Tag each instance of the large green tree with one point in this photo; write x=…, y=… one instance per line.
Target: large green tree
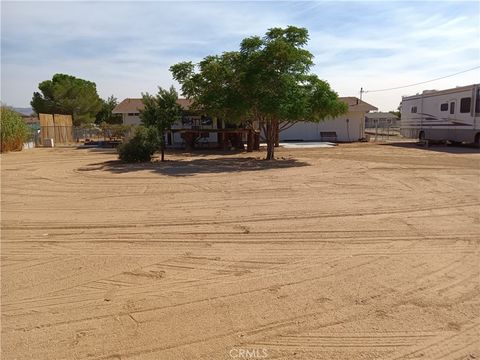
x=214, y=85
x=268, y=80
x=160, y=112
x=105, y=114
x=66, y=94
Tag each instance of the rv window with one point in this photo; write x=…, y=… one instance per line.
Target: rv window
x=465, y=105
x=444, y=107
x=477, y=102
x=452, y=107
x=414, y=109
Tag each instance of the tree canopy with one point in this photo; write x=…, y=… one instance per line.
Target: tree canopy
x=214, y=87
x=160, y=112
x=268, y=80
x=105, y=114
x=66, y=94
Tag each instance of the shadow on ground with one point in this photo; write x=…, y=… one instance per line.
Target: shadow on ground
x=96, y=149
x=195, y=166
x=171, y=152
x=450, y=149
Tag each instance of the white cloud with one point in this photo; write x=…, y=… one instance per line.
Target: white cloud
x=127, y=47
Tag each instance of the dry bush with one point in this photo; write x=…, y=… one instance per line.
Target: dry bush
x=14, y=131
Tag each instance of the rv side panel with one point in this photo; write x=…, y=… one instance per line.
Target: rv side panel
x=448, y=115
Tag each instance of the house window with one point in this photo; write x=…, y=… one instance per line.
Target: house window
x=444, y=107
x=133, y=114
x=414, y=109
x=465, y=105
x=452, y=107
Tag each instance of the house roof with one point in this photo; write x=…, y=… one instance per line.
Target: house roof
x=381, y=115
x=132, y=105
x=355, y=104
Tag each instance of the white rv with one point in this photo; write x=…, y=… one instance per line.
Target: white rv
x=449, y=115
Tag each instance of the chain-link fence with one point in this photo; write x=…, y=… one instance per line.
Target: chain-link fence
x=76, y=135
x=382, y=129
x=83, y=135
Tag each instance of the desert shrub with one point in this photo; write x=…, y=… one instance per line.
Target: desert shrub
x=140, y=147
x=14, y=131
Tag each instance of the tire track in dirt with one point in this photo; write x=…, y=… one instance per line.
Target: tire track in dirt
x=347, y=344
x=409, y=210
x=282, y=324
x=445, y=345
x=302, y=288
x=201, y=300
x=235, y=271
x=299, y=266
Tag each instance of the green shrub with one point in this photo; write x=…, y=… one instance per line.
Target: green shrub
x=14, y=131
x=141, y=147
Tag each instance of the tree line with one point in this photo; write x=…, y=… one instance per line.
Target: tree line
x=68, y=95
x=267, y=83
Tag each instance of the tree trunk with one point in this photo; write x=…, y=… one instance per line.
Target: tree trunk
x=220, y=134
x=162, y=145
x=250, y=140
x=270, y=137
x=256, y=141
x=277, y=133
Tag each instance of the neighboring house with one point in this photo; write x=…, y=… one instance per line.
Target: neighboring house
x=348, y=127
x=381, y=119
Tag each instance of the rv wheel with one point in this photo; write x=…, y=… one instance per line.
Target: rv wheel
x=421, y=136
x=477, y=140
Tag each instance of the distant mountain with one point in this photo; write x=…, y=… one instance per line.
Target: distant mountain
x=23, y=110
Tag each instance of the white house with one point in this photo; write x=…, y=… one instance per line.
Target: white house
x=348, y=127
x=130, y=110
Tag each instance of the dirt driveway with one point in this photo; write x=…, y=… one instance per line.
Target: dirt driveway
x=355, y=252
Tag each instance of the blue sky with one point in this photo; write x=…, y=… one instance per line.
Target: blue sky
x=126, y=47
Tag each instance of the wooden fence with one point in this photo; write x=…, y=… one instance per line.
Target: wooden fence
x=57, y=127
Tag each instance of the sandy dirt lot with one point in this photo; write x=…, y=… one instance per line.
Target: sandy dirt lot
x=356, y=252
